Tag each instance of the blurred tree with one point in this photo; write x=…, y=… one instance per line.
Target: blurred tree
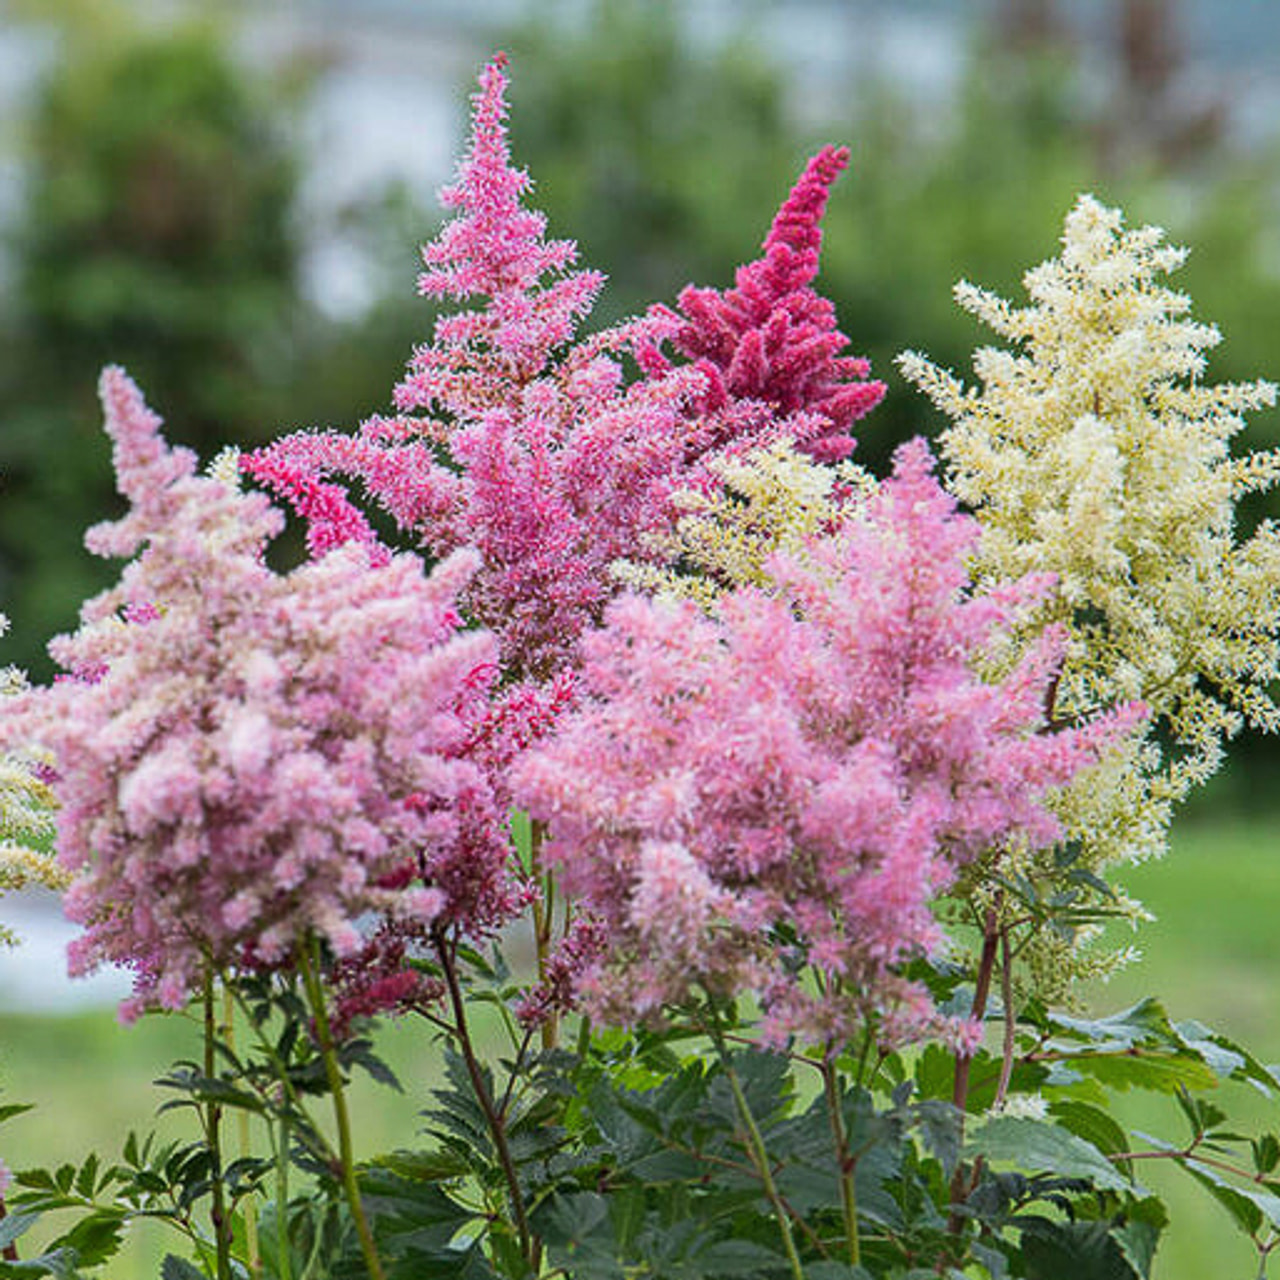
x=664, y=161
x=155, y=233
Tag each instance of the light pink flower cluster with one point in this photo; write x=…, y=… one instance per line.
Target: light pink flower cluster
x=784, y=789
x=244, y=757
x=539, y=448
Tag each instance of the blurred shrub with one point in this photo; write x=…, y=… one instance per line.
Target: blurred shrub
x=155, y=233
x=664, y=161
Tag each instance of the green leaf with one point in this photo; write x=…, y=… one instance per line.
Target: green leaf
x=424, y=1166
x=1039, y=1146
x=58, y=1263
x=1139, y=1236
x=175, y=1268
x=1220, y=1052
x=941, y=1130
x=1093, y=1125
x=1143, y=1023
x=1248, y=1208
x=627, y=1214
x=1266, y=1152
x=15, y=1225
x=735, y=1258
x=1072, y=1251
x=87, y=1178
x=1151, y=1071
x=11, y=1109
x=94, y=1238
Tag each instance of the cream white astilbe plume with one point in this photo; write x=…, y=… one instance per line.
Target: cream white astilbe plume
x=26, y=812
x=1094, y=450
x=771, y=500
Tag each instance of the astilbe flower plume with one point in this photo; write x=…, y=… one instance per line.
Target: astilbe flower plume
x=793, y=780
x=537, y=446
x=1094, y=450
x=26, y=809
x=770, y=500
x=772, y=340
x=245, y=759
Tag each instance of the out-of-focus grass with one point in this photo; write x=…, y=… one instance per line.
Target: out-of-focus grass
x=91, y=1081
x=1211, y=955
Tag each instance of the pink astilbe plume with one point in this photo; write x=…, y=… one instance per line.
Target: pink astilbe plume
x=534, y=445
x=773, y=339
x=244, y=758
x=792, y=782
x=496, y=249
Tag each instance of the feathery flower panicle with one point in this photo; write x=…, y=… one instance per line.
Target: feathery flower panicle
x=495, y=249
x=772, y=339
x=244, y=758
x=767, y=501
x=791, y=781
x=538, y=447
x=1094, y=450
x=26, y=809
x=540, y=454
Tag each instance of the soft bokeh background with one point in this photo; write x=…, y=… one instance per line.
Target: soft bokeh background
x=227, y=199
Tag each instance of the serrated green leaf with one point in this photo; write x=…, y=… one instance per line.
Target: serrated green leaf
x=1145, y=1022
x=735, y=1258
x=1152, y=1071
x=1093, y=1124
x=424, y=1166
x=1249, y=1208
x=87, y=1178
x=1266, y=1152
x=95, y=1238
x=1139, y=1236
x=1041, y=1147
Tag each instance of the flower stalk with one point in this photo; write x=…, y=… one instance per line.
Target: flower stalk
x=333, y=1071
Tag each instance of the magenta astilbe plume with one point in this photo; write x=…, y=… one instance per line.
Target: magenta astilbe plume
x=773, y=338
x=246, y=758
x=795, y=780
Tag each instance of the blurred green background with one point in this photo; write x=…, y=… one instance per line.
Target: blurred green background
x=227, y=200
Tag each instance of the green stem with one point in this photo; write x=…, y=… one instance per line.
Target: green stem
x=253, y=1259
x=848, y=1190
x=315, y=997
x=543, y=924
x=284, y=1256
x=494, y=1118
x=213, y=1137
x=756, y=1149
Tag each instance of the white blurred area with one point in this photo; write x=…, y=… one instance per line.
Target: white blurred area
x=33, y=975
